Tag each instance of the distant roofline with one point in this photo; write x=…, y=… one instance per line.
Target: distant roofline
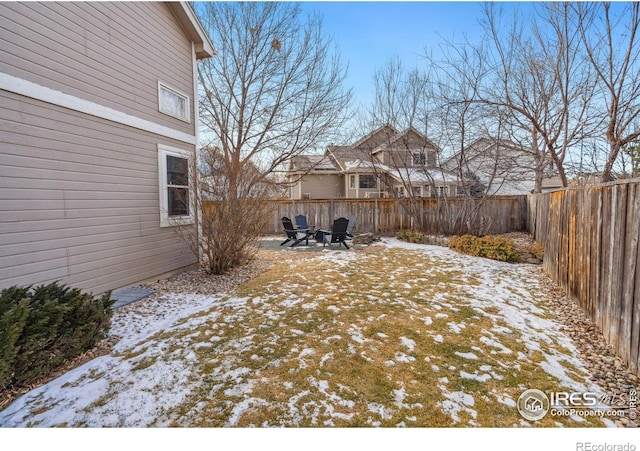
x=399, y=135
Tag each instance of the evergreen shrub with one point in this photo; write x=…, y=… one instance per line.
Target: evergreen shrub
x=412, y=236
x=42, y=327
x=493, y=247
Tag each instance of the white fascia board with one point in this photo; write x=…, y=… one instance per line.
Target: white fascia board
x=193, y=28
x=52, y=96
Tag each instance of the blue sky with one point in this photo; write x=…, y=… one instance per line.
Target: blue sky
x=369, y=33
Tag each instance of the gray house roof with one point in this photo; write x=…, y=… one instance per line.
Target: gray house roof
x=506, y=166
x=345, y=155
x=361, y=155
x=312, y=163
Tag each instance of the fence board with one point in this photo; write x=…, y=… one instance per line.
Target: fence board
x=629, y=268
x=592, y=250
x=387, y=216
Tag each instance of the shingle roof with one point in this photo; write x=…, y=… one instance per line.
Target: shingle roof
x=346, y=154
x=304, y=163
x=422, y=175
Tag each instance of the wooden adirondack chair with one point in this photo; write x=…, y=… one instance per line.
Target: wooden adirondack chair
x=294, y=234
x=301, y=222
x=337, y=234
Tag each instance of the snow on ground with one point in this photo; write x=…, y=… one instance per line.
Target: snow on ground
x=277, y=357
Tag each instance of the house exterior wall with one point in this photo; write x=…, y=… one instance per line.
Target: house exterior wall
x=79, y=187
x=356, y=192
x=401, y=153
x=109, y=53
x=320, y=186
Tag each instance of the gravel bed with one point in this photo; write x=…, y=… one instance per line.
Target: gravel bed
x=608, y=370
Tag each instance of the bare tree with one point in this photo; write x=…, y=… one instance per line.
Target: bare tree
x=433, y=104
x=543, y=81
x=273, y=91
x=610, y=36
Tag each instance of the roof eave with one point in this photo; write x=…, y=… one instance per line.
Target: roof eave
x=193, y=28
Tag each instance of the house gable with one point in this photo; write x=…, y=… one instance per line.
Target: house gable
x=408, y=149
x=375, y=139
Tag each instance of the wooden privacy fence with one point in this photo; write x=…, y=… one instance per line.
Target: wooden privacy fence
x=591, y=241
x=388, y=216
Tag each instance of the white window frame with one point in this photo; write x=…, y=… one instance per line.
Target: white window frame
x=375, y=179
x=421, y=156
x=163, y=86
x=165, y=219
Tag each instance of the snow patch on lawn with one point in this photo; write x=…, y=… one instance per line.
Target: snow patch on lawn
x=154, y=368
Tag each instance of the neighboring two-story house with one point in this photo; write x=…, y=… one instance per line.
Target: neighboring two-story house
x=500, y=167
x=384, y=163
x=98, y=123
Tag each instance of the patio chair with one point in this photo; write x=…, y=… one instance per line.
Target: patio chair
x=294, y=234
x=350, y=227
x=337, y=234
x=301, y=222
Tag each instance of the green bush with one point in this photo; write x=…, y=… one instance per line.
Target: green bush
x=493, y=247
x=412, y=237
x=42, y=327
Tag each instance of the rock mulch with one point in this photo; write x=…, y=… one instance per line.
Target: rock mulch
x=365, y=239
x=608, y=370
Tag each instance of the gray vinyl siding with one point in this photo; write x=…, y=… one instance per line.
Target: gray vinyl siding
x=110, y=53
x=79, y=200
x=325, y=186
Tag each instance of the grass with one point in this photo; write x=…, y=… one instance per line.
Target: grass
x=391, y=338
x=382, y=337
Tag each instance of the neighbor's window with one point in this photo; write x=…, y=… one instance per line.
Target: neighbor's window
x=367, y=181
x=173, y=103
x=175, y=190
x=419, y=158
x=352, y=181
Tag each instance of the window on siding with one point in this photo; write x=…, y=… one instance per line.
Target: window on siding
x=367, y=181
x=352, y=181
x=175, y=189
x=173, y=103
x=178, y=186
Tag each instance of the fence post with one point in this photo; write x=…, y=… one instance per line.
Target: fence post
x=376, y=212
